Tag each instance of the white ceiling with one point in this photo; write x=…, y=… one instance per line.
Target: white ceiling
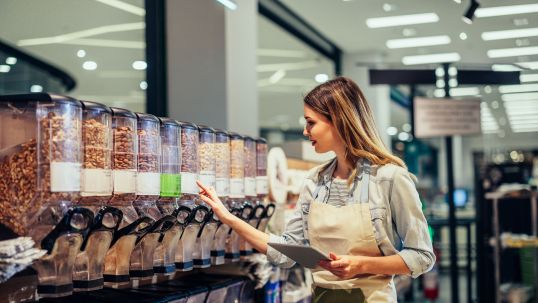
x=342, y=21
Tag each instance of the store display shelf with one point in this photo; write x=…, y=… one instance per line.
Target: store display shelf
x=516, y=241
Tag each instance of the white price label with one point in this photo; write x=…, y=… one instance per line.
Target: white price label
x=237, y=188
x=124, y=181
x=188, y=183
x=64, y=176
x=148, y=184
x=222, y=187
x=262, y=185
x=96, y=182
x=250, y=187
x=208, y=178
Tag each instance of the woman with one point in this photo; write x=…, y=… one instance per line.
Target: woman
x=362, y=206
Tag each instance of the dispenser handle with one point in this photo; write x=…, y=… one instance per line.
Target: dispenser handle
x=139, y=227
x=68, y=224
x=98, y=224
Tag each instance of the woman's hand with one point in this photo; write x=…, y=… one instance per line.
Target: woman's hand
x=343, y=266
x=209, y=196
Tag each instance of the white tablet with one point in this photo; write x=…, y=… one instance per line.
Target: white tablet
x=307, y=256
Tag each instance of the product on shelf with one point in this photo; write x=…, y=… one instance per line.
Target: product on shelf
x=250, y=166
x=237, y=165
x=206, y=154
x=222, y=166
x=125, y=156
x=170, y=165
x=262, y=183
x=148, y=180
x=189, y=158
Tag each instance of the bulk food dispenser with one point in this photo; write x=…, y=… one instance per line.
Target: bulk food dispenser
x=190, y=216
x=248, y=203
x=222, y=187
x=40, y=162
x=262, y=186
x=96, y=191
x=132, y=228
x=148, y=190
x=237, y=193
x=164, y=260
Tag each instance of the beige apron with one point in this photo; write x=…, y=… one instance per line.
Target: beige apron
x=348, y=230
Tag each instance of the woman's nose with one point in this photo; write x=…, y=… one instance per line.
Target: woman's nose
x=305, y=132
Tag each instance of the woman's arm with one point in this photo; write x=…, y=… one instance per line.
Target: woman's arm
x=255, y=237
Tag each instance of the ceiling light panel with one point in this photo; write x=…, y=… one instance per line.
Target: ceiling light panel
x=464, y=91
x=510, y=34
x=417, y=42
x=528, y=78
x=433, y=58
x=133, y=9
x=528, y=65
x=505, y=68
x=513, y=52
x=506, y=10
x=519, y=97
x=402, y=20
x=518, y=88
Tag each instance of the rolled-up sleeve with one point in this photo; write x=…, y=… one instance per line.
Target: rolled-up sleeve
x=411, y=225
x=293, y=234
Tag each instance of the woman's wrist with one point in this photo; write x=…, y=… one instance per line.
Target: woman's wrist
x=362, y=264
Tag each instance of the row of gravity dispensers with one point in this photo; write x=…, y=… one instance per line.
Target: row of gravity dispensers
x=111, y=194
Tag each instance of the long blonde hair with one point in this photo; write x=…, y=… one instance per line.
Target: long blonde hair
x=342, y=102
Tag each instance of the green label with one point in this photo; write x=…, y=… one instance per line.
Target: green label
x=170, y=185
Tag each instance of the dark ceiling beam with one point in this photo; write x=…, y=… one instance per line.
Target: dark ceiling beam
x=288, y=20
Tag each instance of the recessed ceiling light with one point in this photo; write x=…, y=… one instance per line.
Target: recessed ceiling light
x=433, y=58
x=406, y=127
x=89, y=65
x=528, y=78
x=36, y=88
x=505, y=68
x=402, y=20
x=140, y=65
x=230, y=4
x=510, y=34
x=4, y=68
x=439, y=72
x=409, y=32
x=392, y=131
x=463, y=36
x=453, y=82
x=506, y=10
x=387, y=7
x=419, y=41
x=487, y=89
x=11, y=60
x=320, y=78
x=403, y=136
x=495, y=104
x=518, y=88
x=439, y=93
x=440, y=83
x=452, y=71
x=81, y=53
x=529, y=65
x=143, y=85
x=512, y=52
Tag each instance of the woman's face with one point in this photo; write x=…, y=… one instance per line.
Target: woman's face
x=320, y=131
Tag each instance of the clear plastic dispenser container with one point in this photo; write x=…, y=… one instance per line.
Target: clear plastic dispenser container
x=222, y=168
x=164, y=260
x=96, y=191
x=262, y=213
x=206, y=155
x=190, y=216
x=247, y=207
x=148, y=190
x=237, y=192
x=133, y=228
x=40, y=165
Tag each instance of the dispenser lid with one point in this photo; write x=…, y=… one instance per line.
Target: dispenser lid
x=147, y=117
x=121, y=112
x=188, y=125
x=261, y=141
x=46, y=97
x=169, y=122
x=95, y=107
x=206, y=129
x=236, y=136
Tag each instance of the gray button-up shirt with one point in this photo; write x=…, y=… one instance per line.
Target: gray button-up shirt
x=399, y=224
